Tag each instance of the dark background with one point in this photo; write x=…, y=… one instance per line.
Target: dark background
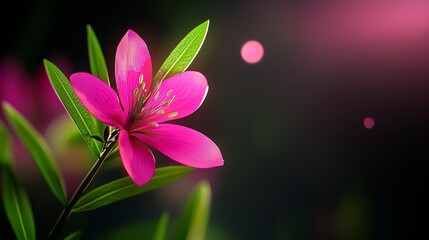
x=299, y=163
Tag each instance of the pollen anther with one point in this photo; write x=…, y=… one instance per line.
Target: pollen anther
x=141, y=79
x=170, y=100
x=173, y=114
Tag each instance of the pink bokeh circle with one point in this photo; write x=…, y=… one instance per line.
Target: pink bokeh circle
x=252, y=51
x=368, y=122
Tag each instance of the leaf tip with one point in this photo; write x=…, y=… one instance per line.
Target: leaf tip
x=204, y=185
x=89, y=29
x=8, y=110
x=6, y=106
x=206, y=24
x=46, y=61
x=48, y=64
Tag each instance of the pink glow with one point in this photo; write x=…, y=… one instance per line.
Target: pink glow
x=368, y=122
x=367, y=31
x=31, y=95
x=252, y=51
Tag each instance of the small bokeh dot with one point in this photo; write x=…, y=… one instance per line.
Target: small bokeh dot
x=368, y=122
x=252, y=51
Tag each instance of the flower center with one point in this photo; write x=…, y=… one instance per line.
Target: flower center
x=158, y=106
x=146, y=112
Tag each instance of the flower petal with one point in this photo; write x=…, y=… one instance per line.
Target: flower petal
x=186, y=91
x=137, y=158
x=98, y=97
x=183, y=145
x=132, y=61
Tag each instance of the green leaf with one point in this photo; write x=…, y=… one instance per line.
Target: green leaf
x=125, y=188
x=97, y=63
x=17, y=206
x=183, y=54
x=74, y=236
x=84, y=121
x=5, y=154
x=96, y=56
x=38, y=149
x=161, y=228
x=194, y=219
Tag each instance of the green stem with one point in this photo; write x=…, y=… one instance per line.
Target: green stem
x=107, y=148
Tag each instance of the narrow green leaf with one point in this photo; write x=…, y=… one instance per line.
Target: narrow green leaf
x=125, y=188
x=194, y=219
x=5, y=154
x=96, y=63
x=84, y=121
x=74, y=236
x=183, y=54
x=38, y=149
x=17, y=206
x=161, y=227
x=96, y=56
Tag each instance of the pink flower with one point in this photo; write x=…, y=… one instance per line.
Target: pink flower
x=141, y=111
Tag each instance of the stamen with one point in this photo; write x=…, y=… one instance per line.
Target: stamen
x=141, y=79
x=154, y=124
x=135, y=91
x=173, y=114
x=157, y=86
x=156, y=96
x=160, y=112
x=171, y=100
x=168, y=93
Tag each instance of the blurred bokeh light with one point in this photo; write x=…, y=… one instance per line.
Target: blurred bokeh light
x=252, y=51
x=368, y=122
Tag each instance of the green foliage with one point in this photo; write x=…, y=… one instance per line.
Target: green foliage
x=194, y=219
x=191, y=224
x=125, y=188
x=17, y=206
x=15, y=200
x=74, y=236
x=39, y=150
x=96, y=56
x=183, y=54
x=84, y=121
x=161, y=227
x=5, y=156
x=97, y=64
